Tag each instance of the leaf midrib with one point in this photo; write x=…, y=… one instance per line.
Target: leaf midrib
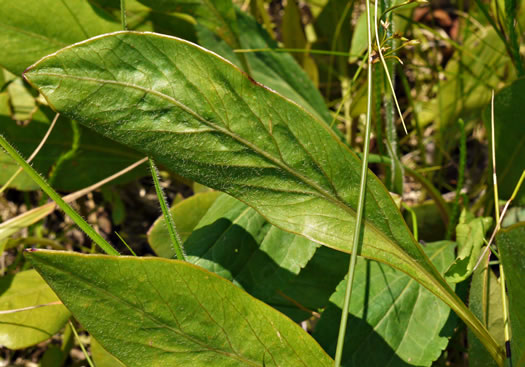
x=323, y=193
x=149, y=316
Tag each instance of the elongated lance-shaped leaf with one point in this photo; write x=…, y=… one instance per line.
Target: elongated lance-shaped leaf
x=511, y=244
x=159, y=312
x=197, y=114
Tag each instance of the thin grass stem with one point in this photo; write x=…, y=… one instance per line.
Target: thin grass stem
x=387, y=73
x=77, y=218
x=86, y=354
x=125, y=244
x=360, y=204
x=123, y=19
x=504, y=305
x=170, y=224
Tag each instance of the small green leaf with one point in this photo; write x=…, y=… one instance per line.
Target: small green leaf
x=32, y=29
x=21, y=101
x=511, y=244
x=470, y=235
x=186, y=215
x=159, y=312
x=390, y=323
x=200, y=116
x=23, y=329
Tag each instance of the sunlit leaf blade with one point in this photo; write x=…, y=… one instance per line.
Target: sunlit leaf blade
x=511, y=244
x=158, y=312
x=32, y=29
x=390, y=323
x=200, y=116
x=25, y=328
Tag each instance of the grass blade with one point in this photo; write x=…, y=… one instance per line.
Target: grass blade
x=77, y=218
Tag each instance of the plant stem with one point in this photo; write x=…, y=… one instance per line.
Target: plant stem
x=77, y=218
x=88, y=359
x=504, y=306
x=360, y=204
x=170, y=224
x=123, y=14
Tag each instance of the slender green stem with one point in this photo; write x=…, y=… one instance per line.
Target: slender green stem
x=33, y=155
x=295, y=50
x=125, y=244
x=123, y=14
x=88, y=358
x=505, y=309
x=414, y=220
x=170, y=224
x=77, y=218
x=360, y=204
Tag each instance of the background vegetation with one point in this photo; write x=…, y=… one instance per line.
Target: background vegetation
x=450, y=71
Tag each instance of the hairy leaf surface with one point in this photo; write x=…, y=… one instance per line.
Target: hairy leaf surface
x=199, y=115
x=159, y=312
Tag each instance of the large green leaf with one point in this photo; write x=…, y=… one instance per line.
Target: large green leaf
x=31, y=29
x=509, y=131
x=511, y=244
x=186, y=216
x=23, y=329
x=200, y=116
x=96, y=158
x=159, y=312
x=390, y=323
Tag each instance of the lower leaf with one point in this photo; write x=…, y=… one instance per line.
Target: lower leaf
x=158, y=312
